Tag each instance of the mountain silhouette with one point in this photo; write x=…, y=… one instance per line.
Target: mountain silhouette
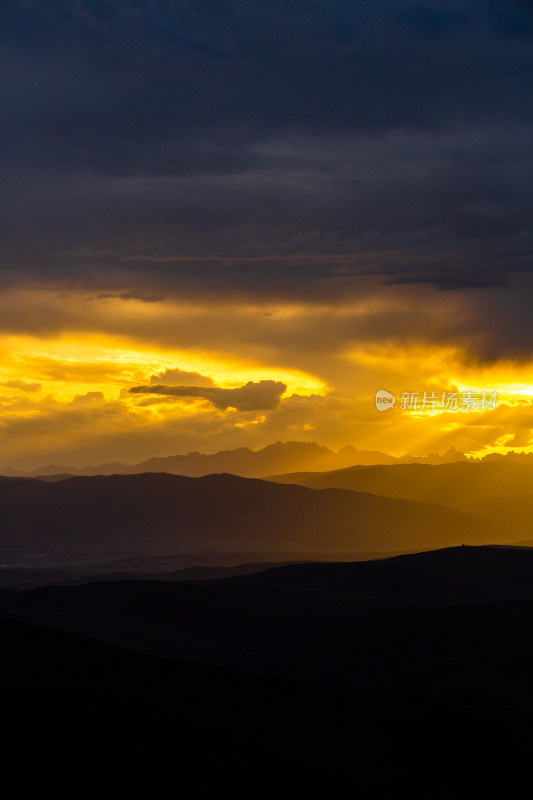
x=501, y=490
x=450, y=621
x=274, y=458
x=121, y=516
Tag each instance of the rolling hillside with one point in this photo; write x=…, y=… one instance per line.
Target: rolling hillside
x=500, y=491
x=121, y=516
x=455, y=620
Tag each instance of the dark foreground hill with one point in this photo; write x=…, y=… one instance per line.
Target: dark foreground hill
x=119, y=516
x=456, y=620
x=76, y=711
x=28, y=578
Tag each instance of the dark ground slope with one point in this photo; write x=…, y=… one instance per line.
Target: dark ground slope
x=79, y=712
x=121, y=516
x=455, y=620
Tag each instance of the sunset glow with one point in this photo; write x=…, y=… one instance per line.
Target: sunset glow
x=69, y=361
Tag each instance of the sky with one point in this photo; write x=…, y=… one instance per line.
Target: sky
x=227, y=223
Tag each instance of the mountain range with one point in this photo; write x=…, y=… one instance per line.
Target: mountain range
x=277, y=457
x=499, y=490
x=123, y=516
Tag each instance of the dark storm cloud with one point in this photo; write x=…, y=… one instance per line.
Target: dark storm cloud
x=24, y=386
x=253, y=396
x=265, y=148
x=180, y=377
